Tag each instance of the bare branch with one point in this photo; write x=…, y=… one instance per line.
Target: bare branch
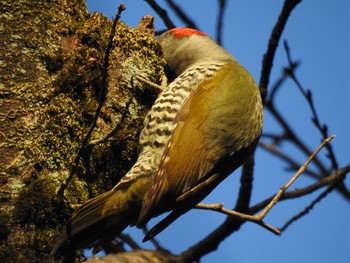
x=246, y=181
x=258, y=218
x=295, y=176
x=291, y=136
x=232, y=224
x=219, y=208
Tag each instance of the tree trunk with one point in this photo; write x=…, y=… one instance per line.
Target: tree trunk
x=51, y=72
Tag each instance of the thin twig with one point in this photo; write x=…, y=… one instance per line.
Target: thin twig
x=304, y=191
x=181, y=14
x=295, y=176
x=308, y=96
x=129, y=241
x=307, y=209
x=155, y=87
x=276, y=139
x=287, y=158
x=101, y=99
x=291, y=136
x=276, y=33
x=278, y=84
x=219, y=23
x=219, y=208
x=162, y=13
x=258, y=218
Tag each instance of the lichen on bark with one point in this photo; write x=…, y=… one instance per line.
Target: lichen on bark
x=50, y=78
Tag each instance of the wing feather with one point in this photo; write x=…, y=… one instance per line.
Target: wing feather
x=186, y=160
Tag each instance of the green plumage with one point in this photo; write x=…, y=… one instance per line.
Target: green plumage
x=215, y=130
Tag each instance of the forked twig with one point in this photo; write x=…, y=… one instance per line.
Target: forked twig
x=220, y=208
x=258, y=218
x=312, y=204
x=335, y=177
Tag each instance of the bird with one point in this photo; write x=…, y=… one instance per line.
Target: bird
x=204, y=125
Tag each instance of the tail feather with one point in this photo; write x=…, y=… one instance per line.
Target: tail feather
x=95, y=222
x=163, y=224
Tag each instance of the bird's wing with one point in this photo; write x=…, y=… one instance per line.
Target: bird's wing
x=186, y=160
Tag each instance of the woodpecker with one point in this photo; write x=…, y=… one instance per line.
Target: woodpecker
x=202, y=127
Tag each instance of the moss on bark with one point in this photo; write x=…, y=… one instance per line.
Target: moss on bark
x=50, y=78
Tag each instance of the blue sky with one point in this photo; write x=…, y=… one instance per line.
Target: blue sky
x=318, y=33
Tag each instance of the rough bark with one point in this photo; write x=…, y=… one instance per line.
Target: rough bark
x=50, y=79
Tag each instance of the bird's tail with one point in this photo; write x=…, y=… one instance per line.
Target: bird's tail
x=163, y=224
x=97, y=221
